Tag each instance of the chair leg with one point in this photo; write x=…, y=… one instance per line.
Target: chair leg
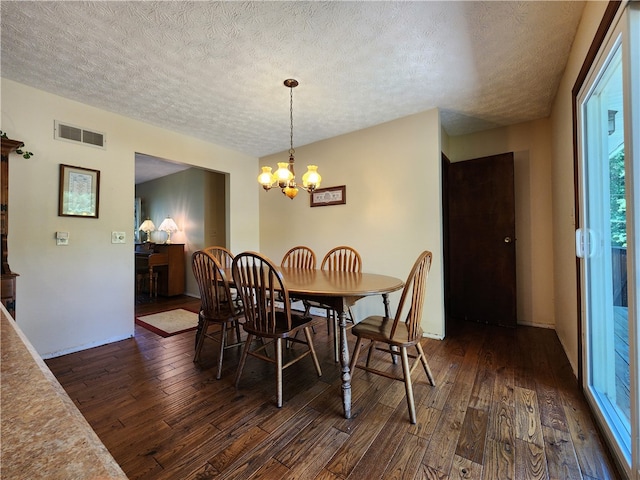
x=423, y=359
x=279, y=372
x=370, y=352
x=198, y=333
x=223, y=341
x=356, y=354
x=243, y=358
x=200, y=341
x=307, y=334
x=236, y=324
x=407, y=385
x=155, y=284
x=336, y=338
x=394, y=358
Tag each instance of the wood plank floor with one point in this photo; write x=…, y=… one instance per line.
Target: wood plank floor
x=505, y=406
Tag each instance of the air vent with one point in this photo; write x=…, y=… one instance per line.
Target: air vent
x=71, y=133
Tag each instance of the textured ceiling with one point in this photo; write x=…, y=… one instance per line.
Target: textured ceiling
x=214, y=70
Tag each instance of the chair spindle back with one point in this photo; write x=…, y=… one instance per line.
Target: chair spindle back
x=413, y=296
x=299, y=257
x=258, y=283
x=215, y=293
x=221, y=254
x=343, y=259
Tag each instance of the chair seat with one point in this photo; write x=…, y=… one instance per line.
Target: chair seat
x=378, y=329
x=298, y=322
x=224, y=315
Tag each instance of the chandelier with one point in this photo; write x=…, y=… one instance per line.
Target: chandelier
x=285, y=176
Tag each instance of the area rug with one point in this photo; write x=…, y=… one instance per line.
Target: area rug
x=169, y=323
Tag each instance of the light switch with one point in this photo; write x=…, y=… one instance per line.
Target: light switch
x=118, y=237
x=62, y=238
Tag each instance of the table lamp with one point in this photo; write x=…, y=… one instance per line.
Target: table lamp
x=148, y=227
x=169, y=226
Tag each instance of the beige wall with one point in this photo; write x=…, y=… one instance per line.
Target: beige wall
x=81, y=295
x=564, y=259
x=531, y=144
x=393, y=209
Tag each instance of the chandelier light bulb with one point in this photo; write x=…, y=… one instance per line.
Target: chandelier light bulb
x=283, y=175
x=266, y=178
x=311, y=180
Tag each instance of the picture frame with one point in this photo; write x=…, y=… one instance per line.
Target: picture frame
x=323, y=197
x=79, y=192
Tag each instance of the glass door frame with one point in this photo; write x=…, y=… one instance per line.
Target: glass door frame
x=619, y=29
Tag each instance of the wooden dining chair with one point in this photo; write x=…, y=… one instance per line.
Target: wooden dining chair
x=342, y=259
x=217, y=309
x=299, y=257
x=399, y=333
x=258, y=281
x=225, y=259
x=221, y=254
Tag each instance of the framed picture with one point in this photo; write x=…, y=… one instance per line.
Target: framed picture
x=329, y=196
x=79, y=192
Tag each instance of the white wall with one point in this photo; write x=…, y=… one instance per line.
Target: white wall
x=564, y=260
x=81, y=295
x=531, y=144
x=393, y=210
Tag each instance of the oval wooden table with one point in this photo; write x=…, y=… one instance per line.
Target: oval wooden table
x=340, y=290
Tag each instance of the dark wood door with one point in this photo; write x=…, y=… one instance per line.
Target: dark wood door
x=480, y=241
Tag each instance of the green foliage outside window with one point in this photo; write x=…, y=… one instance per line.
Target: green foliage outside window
x=618, y=202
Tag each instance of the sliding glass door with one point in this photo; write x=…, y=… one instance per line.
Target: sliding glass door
x=607, y=241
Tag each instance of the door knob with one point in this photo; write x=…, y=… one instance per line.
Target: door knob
x=507, y=239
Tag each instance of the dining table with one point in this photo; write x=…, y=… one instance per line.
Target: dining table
x=339, y=291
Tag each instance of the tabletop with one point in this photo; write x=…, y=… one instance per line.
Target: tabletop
x=334, y=283
x=340, y=284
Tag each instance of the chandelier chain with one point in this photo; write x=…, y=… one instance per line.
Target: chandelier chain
x=291, y=150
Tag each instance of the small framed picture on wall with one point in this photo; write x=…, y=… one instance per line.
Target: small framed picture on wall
x=79, y=192
x=329, y=196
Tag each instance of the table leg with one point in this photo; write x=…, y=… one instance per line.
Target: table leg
x=385, y=300
x=344, y=361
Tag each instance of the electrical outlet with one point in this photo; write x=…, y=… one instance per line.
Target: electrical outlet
x=118, y=237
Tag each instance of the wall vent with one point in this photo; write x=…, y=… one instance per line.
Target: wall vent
x=71, y=133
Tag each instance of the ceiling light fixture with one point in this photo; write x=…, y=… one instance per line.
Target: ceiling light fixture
x=285, y=176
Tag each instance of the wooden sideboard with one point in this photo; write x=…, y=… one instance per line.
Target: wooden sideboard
x=7, y=278
x=171, y=276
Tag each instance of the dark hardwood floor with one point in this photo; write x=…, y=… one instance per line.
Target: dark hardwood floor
x=505, y=406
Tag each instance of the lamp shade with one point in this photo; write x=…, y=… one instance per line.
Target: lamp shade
x=311, y=180
x=283, y=174
x=266, y=178
x=147, y=226
x=168, y=225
